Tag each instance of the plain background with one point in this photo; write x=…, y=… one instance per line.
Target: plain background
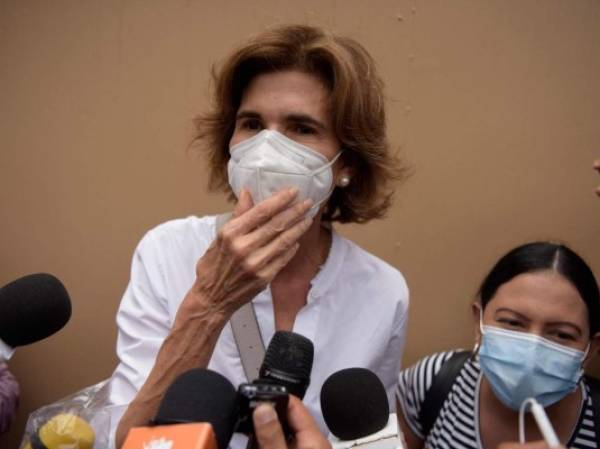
x=494, y=104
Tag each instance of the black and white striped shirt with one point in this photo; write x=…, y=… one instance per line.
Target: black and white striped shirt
x=457, y=425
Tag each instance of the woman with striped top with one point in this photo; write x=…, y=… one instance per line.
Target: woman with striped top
x=537, y=326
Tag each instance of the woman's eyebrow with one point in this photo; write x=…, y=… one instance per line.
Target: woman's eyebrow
x=568, y=324
x=514, y=312
x=305, y=118
x=247, y=114
x=550, y=323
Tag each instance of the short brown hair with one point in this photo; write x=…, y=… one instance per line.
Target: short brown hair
x=356, y=105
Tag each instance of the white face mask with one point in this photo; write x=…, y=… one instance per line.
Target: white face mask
x=269, y=162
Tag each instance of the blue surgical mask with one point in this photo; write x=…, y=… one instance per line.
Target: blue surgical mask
x=520, y=365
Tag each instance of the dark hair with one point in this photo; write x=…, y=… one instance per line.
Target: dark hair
x=539, y=256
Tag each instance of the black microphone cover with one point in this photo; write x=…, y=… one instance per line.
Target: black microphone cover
x=354, y=403
x=32, y=308
x=201, y=395
x=288, y=362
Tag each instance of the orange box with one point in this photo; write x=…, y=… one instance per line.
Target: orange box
x=175, y=436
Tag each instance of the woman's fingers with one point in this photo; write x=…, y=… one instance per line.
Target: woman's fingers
x=259, y=214
x=252, y=248
x=280, y=223
x=274, y=266
x=244, y=204
x=278, y=245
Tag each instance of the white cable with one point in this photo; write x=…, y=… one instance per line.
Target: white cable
x=522, y=419
x=542, y=421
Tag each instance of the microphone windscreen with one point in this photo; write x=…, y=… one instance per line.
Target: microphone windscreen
x=354, y=403
x=197, y=396
x=32, y=308
x=288, y=362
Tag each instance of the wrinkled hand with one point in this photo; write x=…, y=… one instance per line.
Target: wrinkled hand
x=532, y=445
x=269, y=434
x=250, y=249
x=597, y=168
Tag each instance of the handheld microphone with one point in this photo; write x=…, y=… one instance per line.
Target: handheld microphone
x=356, y=409
x=285, y=369
x=61, y=431
x=288, y=362
x=31, y=308
x=198, y=411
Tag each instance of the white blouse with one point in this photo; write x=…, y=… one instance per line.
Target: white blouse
x=356, y=312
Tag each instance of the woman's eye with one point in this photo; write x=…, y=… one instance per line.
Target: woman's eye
x=510, y=322
x=563, y=336
x=304, y=130
x=251, y=124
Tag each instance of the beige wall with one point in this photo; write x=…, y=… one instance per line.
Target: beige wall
x=496, y=105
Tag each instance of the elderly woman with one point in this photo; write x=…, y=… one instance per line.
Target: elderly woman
x=297, y=135
x=537, y=324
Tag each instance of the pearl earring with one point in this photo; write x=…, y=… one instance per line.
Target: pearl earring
x=343, y=181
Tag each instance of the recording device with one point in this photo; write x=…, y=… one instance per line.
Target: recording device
x=198, y=410
x=31, y=308
x=250, y=395
x=202, y=409
x=285, y=369
x=62, y=431
x=356, y=409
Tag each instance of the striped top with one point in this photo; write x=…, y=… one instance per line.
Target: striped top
x=457, y=425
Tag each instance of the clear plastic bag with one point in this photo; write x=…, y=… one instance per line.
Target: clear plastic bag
x=79, y=421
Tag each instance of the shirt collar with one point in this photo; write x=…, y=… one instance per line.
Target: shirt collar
x=327, y=275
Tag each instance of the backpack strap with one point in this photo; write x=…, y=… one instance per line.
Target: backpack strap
x=439, y=389
x=594, y=385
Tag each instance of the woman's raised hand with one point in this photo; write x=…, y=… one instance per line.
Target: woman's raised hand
x=249, y=250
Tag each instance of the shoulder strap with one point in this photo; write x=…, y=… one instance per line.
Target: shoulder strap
x=248, y=340
x=594, y=385
x=439, y=389
x=245, y=329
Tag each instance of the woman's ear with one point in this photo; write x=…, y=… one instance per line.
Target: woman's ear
x=594, y=348
x=477, y=313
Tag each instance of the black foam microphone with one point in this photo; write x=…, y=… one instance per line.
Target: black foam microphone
x=32, y=308
x=354, y=404
x=201, y=396
x=285, y=369
x=288, y=362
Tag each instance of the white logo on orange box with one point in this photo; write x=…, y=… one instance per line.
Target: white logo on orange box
x=161, y=443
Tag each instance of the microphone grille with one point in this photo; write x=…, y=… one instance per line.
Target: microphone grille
x=354, y=403
x=32, y=308
x=289, y=352
x=201, y=395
